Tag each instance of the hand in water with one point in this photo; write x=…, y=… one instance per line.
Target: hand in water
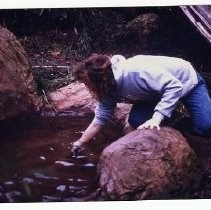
x=77, y=147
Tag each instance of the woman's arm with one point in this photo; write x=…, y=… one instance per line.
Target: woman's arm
x=92, y=130
x=170, y=90
x=103, y=113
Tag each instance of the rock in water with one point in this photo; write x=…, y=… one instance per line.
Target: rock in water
x=76, y=96
x=149, y=164
x=17, y=91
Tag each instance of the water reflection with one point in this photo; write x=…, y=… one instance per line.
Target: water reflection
x=36, y=165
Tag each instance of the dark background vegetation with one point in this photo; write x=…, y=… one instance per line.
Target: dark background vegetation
x=62, y=37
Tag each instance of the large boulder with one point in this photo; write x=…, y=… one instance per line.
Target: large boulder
x=149, y=164
x=17, y=90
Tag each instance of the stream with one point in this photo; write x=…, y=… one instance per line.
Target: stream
x=36, y=164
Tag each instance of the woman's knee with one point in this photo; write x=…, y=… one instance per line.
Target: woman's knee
x=133, y=121
x=140, y=113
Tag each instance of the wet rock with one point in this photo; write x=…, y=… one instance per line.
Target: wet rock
x=17, y=90
x=71, y=97
x=77, y=97
x=149, y=164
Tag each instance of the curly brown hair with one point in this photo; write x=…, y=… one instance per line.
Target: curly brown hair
x=96, y=73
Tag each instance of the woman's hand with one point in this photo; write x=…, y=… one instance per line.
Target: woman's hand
x=77, y=147
x=152, y=123
x=92, y=130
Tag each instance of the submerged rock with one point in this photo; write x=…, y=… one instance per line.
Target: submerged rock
x=77, y=97
x=73, y=96
x=17, y=90
x=149, y=164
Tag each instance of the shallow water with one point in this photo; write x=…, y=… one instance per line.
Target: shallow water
x=36, y=163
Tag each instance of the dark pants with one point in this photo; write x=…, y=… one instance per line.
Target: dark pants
x=197, y=102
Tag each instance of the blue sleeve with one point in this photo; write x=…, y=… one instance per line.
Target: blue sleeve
x=104, y=110
x=169, y=88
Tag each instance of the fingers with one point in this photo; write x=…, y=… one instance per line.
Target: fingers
x=148, y=125
x=145, y=125
x=140, y=127
x=75, y=148
x=157, y=127
x=76, y=151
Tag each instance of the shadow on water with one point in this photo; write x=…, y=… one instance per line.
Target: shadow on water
x=36, y=162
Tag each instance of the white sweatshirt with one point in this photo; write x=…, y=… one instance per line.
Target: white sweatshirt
x=159, y=79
